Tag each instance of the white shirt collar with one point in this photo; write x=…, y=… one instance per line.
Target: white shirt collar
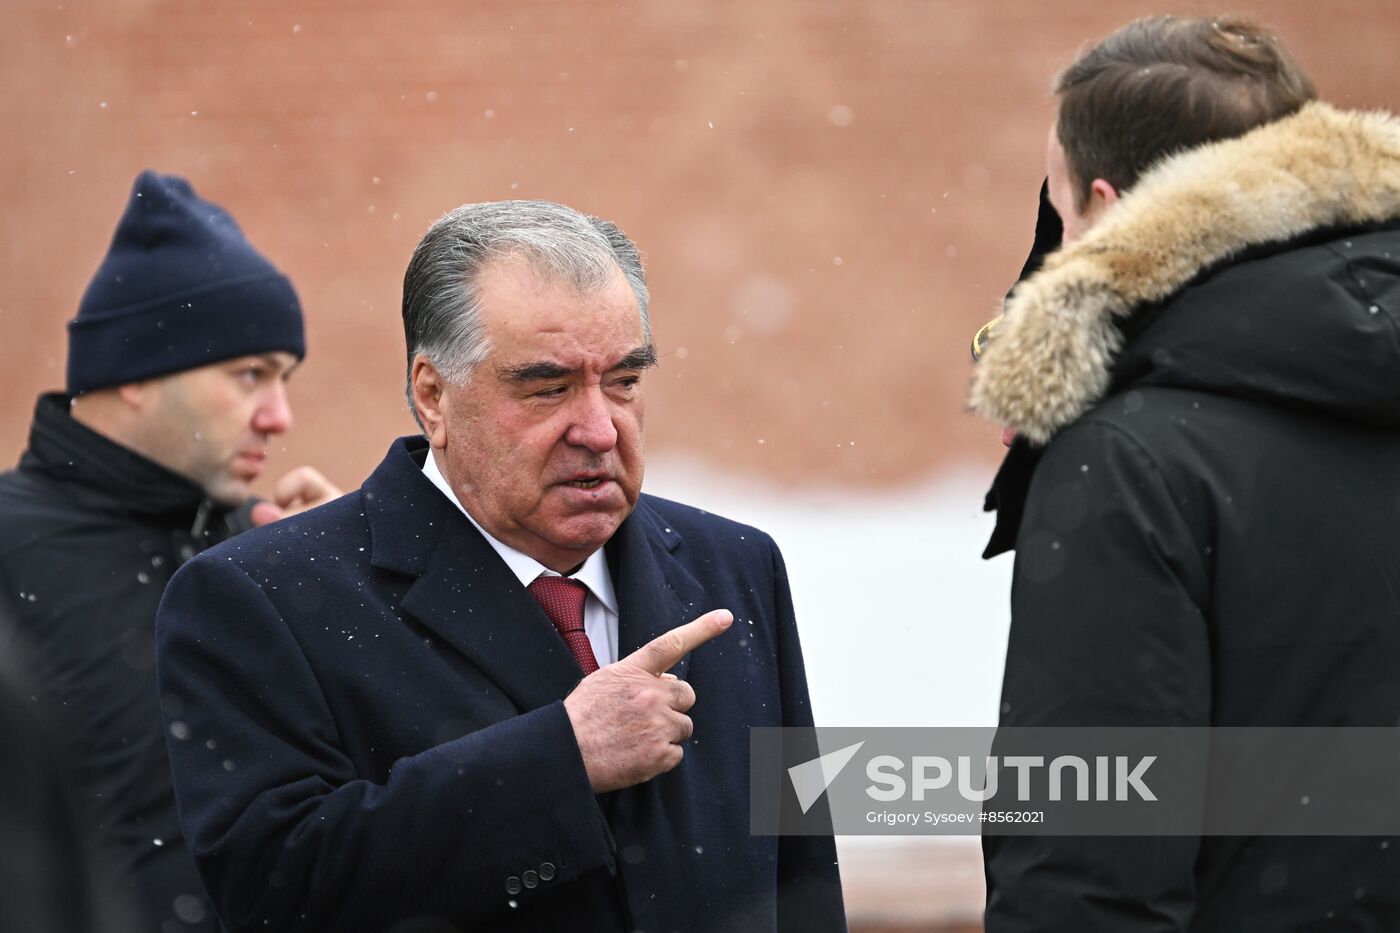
x=593, y=574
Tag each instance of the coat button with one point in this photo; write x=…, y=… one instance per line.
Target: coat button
x=531, y=879
x=547, y=872
x=512, y=885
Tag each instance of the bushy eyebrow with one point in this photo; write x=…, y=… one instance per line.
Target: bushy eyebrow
x=641, y=358
x=532, y=372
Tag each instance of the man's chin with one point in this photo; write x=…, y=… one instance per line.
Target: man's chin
x=229, y=491
x=586, y=533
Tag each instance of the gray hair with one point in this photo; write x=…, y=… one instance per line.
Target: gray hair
x=441, y=304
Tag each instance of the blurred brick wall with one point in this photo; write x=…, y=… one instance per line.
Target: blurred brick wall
x=832, y=196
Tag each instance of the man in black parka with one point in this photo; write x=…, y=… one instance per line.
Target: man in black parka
x=1204, y=489
x=177, y=363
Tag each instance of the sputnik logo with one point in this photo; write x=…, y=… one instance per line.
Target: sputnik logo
x=811, y=778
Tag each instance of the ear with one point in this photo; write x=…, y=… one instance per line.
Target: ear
x=1102, y=196
x=428, y=386
x=134, y=394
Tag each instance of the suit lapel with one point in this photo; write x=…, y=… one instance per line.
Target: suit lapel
x=464, y=593
x=472, y=601
x=655, y=592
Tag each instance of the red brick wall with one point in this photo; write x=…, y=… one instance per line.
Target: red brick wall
x=832, y=196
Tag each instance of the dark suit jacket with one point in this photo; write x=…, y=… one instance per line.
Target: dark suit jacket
x=371, y=733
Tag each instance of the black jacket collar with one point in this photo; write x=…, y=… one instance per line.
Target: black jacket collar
x=68, y=452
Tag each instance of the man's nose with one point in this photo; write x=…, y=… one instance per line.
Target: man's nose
x=592, y=424
x=274, y=412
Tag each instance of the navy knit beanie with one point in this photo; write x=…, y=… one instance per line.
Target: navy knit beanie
x=180, y=288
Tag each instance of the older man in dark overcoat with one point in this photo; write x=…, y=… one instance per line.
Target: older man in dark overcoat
x=497, y=688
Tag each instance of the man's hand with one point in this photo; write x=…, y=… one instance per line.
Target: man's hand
x=629, y=717
x=301, y=489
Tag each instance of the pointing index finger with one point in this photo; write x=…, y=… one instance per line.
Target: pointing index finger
x=662, y=652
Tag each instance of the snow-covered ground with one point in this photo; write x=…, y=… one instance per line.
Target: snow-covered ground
x=902, y=622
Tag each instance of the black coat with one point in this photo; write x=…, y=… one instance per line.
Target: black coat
x=377, y=738
x=50, y=879
x=90, y=533
x=1213, y=539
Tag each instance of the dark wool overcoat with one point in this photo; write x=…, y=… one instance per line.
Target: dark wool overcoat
x=377, y=739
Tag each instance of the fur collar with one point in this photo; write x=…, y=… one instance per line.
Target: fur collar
x=1050, y=358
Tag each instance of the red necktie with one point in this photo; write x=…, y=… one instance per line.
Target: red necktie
x=562, y=600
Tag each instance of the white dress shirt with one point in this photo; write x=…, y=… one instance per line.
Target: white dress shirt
x=599, y=609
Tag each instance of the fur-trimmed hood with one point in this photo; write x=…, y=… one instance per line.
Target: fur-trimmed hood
x=1053, y=355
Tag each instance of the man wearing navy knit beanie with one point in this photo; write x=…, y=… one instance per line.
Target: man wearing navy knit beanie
x=177, y=366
